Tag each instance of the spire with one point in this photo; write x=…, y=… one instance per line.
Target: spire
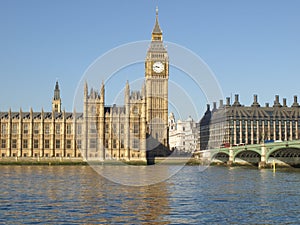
x=127, y=92
x=156, y=29
x=127, y=88
x=56, y=102
x=86, y=91
x=157, y=32
x=102, y=90
x=56, y=92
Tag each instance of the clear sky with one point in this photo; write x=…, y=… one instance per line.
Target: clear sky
x=253, y=47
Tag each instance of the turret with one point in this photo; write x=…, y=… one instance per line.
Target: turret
x=56, y=102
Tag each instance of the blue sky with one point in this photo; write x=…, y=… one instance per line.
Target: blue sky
x=251, y=46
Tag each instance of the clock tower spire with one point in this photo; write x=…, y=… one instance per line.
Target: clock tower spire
x=157, y=32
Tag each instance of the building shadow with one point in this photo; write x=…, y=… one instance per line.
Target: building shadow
x=204, y=129
x=155, y=149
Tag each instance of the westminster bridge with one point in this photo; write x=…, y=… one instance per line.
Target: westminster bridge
x=285, y=153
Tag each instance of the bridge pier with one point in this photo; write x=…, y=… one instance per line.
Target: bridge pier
x=262, y=164
x=231, y=158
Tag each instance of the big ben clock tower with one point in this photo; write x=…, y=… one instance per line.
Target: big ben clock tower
x=157, y=75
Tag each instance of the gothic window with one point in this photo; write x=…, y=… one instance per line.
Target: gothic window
x=47, y=128
x=122, y=129
x=14, y=143
x=135, y=128
x=36, y=128
x=14, y=128
x=25, y=128
x=35, y=143
x=92, y=143
x=135, y=110
x=57, y=128
x=115, y=128
x=3, y=129
x=47, y=145
x=93, y=129
x=135, y=143
x=92, y=109
x=57, y=144
x=114, y=143
x=25, y=143
x=106, y=128
x=79, y=128
x=79, y=144
x=69, y=129
x=3, y=143
x=122, y=143
x=69, y=144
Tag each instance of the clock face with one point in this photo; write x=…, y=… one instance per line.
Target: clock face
x=158, y=67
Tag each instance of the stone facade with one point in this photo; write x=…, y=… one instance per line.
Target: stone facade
x=183, y=134
x=42, y=134
x=136, y=131
x=235, y=124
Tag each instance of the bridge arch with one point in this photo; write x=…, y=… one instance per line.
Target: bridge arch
x=284, y=151
x=286, y=155
x=248, y=156
x=248, y=152
x=221, y=156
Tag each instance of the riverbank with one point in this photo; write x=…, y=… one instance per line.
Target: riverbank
x=41, y=161
x=158, y=161
x=79, y=161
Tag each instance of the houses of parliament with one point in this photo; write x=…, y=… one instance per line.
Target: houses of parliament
x=138, y=130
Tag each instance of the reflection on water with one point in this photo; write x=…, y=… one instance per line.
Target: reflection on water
x=77, y=194
x=137, y=176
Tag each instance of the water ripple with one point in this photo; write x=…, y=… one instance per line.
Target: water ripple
x=78, y=195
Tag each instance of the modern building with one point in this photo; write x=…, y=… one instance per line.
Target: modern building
x=236, y=124
x=183, y=134
x=136, y=131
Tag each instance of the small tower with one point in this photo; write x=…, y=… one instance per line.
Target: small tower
x=56, y=102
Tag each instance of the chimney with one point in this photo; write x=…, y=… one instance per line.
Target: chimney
x=255, y=103
x=295, y=104
x=276, y=102
x=277, y=98
x=267, y=105
x=208, y=107
x=255, y=98
x=236, y=98
x=284, y=102
x=228, y=101
x=215, y=106
x=221, y=104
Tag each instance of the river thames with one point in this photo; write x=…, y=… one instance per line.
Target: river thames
x=217, y=195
